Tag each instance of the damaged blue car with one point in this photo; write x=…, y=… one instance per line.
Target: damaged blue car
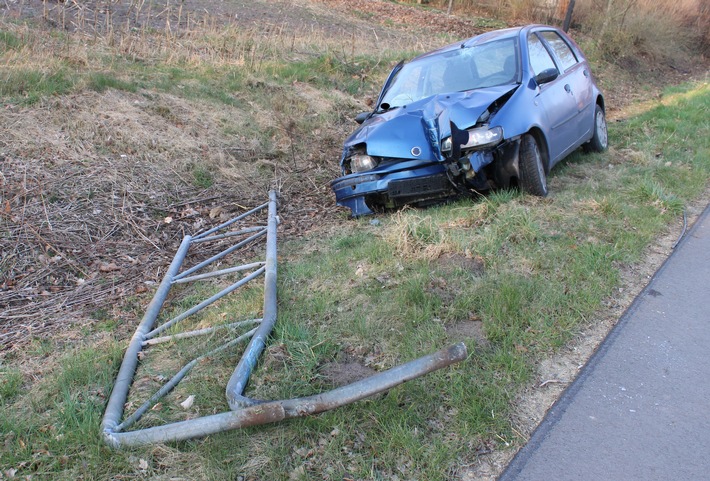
x=494, y=111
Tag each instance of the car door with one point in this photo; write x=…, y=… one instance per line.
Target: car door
x=556, y=99
x=577, y=82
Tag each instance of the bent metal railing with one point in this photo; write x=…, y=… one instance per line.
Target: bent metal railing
x=244, y=411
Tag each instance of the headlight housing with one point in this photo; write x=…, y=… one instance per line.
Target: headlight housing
x=483, y=137
x=362, y=163
x=477, y=138
x=446, y=145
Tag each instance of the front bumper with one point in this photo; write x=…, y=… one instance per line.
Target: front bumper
x=398, y=183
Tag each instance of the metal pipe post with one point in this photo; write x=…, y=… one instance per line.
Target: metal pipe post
x=238, y=381
x=124, y=379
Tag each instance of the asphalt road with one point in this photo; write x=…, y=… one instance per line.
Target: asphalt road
x=640, y=408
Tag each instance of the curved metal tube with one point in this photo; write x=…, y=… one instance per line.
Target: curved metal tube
x=274, y=411
x=244, y=411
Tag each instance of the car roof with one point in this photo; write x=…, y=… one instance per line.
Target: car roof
x=477, y=39
x=483, y=38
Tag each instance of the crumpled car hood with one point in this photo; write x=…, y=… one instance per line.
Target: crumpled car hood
x=419, y=127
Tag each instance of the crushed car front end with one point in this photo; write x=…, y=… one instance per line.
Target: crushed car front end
x=394, y=184
x=418, y=154
x=431, y=136
x=395, y=158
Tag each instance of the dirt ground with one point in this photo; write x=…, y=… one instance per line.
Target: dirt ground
x=96, y=239
x=379, y=19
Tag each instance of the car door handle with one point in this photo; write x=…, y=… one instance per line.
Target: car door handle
x=586, y=73
x=568, y=89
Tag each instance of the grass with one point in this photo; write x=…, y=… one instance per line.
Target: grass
x=549, y=264
x=527, y=274
x=10, y=384
x=208, y=62
x=30, y=86
x=381, y=293
x=9, y=41
x=100, y=81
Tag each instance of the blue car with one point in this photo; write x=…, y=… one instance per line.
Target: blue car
x=494, y=111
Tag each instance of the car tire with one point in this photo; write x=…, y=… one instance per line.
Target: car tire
x=600, y=140
x=532, y=172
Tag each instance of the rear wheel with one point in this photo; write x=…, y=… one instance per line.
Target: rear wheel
x=532, y=172
x=599, y=141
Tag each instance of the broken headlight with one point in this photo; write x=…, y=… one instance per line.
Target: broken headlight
x=362, y=162
x=483, y=137
x=446, y=145
x=477, y=138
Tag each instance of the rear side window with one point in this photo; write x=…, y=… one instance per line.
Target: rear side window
x=539, y=57
x=562, y=51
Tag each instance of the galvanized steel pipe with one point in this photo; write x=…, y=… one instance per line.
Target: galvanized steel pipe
x=114, y=408
x=205, y=303
x=244, y=411
x=274, y=411
x=238, y=381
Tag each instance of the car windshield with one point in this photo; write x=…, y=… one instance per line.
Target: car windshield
x=478, y=66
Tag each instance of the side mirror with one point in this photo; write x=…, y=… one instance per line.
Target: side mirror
x=361, y=117
x=546, y=76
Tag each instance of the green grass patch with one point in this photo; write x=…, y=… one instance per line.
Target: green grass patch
x=51, y=431
x=10, y=384
x=30, y=86
x=329, y=71
x=202, y=177
x=101, y=81
x=9, y=41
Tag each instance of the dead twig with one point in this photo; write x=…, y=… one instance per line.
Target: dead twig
x=552, y=381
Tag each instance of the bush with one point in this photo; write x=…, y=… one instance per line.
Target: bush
x=656, y=31
x=659, y=30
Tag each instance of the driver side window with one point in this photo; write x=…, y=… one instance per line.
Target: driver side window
x=540, y=59
x=561, y=49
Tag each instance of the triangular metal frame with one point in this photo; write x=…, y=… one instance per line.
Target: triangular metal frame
x=244, y=411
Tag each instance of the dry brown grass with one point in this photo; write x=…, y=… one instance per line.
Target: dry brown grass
x=87, y=183
x=663, y=30
x=88, y=178
x=194, y=34
x=412, y=233
x=657, y=31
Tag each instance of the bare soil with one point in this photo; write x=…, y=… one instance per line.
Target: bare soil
x=345, y=372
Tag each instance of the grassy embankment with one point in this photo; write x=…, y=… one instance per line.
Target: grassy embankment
x=514, y=276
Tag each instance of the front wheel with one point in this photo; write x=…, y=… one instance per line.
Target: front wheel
x=532, y=172
x=600, y=141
